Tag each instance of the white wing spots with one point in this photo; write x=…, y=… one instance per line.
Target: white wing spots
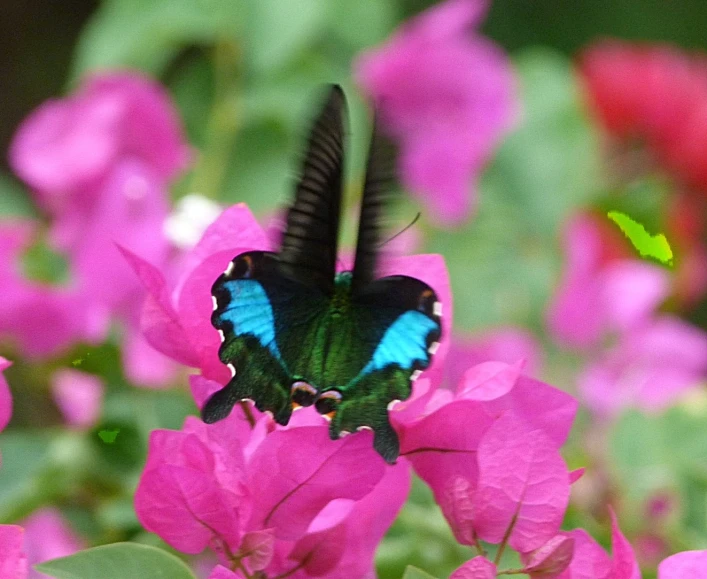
x=222, y=335
x=247, y=400
x=269, y=414
x=214, y=302
x=437, y=309
x=232, y=368
x=229, y=270
x=326, y=417
x=392, y=404
x=344, y=433
x=360, y=428
x=434, y=346
x=415, y=375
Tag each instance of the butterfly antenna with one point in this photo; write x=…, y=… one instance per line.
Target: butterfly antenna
x=403, y=230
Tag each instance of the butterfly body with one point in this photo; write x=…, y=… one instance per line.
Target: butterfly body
x=297, y=333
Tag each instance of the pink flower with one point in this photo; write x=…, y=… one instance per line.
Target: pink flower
x=274, y=499
x=79, y=396
x=13, y=561
x=99, y=163
x=683, y=565
x=66, y=146
x=650, y=367
x=47, y=536
x=550, y=559
x=501, y=474
x=657, y=94
x=477, y=568
x=42, y=319
x=590, y=561
x=447, y=94
x=597, y=295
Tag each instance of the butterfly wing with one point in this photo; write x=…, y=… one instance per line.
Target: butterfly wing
x=254, y=306
x=309, y=243
x=265, y=299
x=400, y=315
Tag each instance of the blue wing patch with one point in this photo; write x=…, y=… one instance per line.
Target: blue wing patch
x=404, y=343
x=250, y=312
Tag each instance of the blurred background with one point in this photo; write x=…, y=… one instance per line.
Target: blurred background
x=243, y=75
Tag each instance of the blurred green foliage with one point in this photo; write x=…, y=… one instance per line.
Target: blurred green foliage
x=244, y=75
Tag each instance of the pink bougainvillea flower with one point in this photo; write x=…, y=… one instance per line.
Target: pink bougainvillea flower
x=650, y=367
x=683, y=565
x=13, y=561
x=66, y=146
x=48, y=536
x=550, y=559
x=275, y=500
x=41, y=319
x=599, y=294
x=590, y=561
x=657, y=94
x=79, y=396
x=447, y=95
x=529, y=499
x=507, y=345
x=476, y=568
x=220, y=572
x=99, y=163
x=459, y=465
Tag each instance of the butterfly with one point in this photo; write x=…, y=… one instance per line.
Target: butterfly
x=296, y=333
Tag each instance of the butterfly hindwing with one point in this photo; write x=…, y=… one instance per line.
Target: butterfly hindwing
x=401, y=316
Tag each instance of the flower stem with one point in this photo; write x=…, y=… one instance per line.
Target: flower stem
x=210, y=170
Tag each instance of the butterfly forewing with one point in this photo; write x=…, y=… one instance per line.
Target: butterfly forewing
x=309, y=243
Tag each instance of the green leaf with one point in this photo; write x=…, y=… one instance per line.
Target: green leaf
x=118, y=561
x=14, y=200
x=415, y=573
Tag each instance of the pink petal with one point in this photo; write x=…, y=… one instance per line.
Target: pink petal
x=347, y=549
x=442, y=449
x=66, y=144
x=590, y=561
x=130, y=209
x=220, y=572
x=477, y=568
x=506, y=344
x=48, y=536
x=531, y=497
x=551, y=559
x=447, y=95
x=540, y=406
x=192, y=492
x=5, y=395
x=257, y=549
x=13, y=561
x=160, y=322
x=682, y=565
x=295, y=473
x=489, y=380
x=576, y=474
x=143, y=365
x=624, y=565
x=79, y=396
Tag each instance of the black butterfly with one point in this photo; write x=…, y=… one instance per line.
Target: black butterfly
x=296, y=333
